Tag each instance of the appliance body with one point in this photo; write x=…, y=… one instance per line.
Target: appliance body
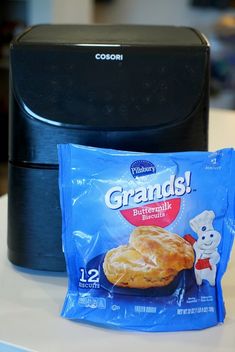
x=138, y=88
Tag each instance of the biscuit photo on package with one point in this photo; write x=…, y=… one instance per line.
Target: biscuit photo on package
x=146, y=237
x=153, y=259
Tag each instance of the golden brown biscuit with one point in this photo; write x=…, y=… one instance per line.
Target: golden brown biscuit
x=164, y=249
x=126, y=267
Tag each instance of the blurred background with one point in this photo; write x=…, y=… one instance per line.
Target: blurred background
x=215, y=18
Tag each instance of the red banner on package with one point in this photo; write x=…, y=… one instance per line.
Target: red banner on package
x=159, y=214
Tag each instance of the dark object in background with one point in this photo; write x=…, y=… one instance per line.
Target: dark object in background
x=13, y=15
x=4, y=91
x=219, y=4
x=223, y=59
x=104, y=1
x=7, y=31
x=139, y=88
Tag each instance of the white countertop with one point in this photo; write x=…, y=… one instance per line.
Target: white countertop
x=30, y=301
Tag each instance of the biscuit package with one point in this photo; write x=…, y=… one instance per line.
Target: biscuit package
x=146, y=237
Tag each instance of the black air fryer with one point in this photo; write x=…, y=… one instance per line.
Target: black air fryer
x=139, y=88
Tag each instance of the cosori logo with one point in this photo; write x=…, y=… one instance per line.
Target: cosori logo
x=142, y=168
x=113, y=57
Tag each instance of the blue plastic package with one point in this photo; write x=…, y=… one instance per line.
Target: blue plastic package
x=146, y=237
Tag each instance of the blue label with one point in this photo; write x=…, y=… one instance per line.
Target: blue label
x=142, y=168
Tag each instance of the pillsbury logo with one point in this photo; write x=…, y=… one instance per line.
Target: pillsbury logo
x=142, y=168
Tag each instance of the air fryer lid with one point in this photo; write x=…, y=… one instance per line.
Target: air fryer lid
x=64, y=84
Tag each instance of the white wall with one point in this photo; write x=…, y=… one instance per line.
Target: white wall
x=39, y=11
x=161, y=12
x=72, y=11
x=60, y=11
